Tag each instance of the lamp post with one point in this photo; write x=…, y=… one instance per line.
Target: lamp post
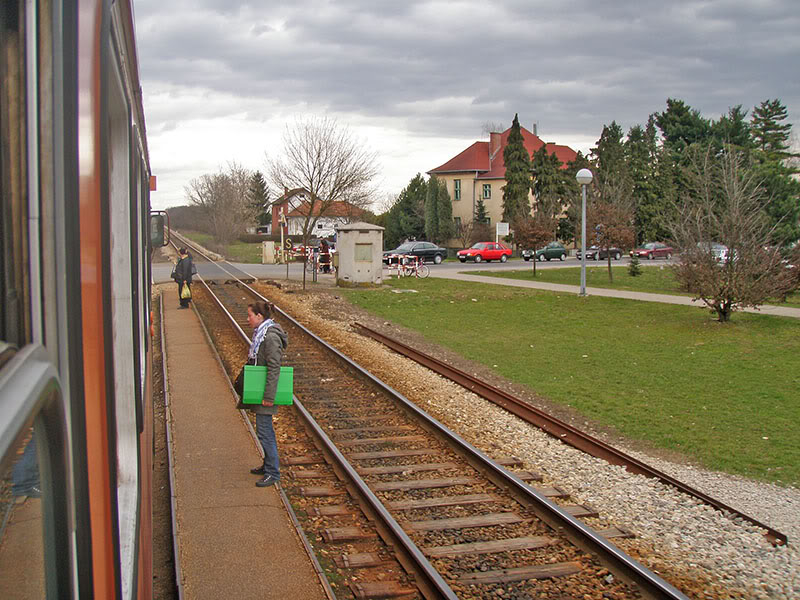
x=584, y=177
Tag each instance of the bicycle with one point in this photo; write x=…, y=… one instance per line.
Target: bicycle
x=412, y=266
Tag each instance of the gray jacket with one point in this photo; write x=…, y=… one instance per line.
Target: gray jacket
x=270, y=354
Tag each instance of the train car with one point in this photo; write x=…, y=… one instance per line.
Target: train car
x=76, y=429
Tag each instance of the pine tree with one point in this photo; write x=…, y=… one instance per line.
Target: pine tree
x=518, y=175
x=612, y=178
x=681, y=126
x=481, y=214
x=432, y=210
x=770, y=135
x=258, y=198
x=548, y=185
x=733, y=129
x=406, y=218
x=444, y=214
x=771, y=138
x=634, y=268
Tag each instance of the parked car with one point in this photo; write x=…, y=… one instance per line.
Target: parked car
x=718, y=251
x=653, y=250
x=487, y=251
x=428, y=251
x=549, y=252
x=595, y=253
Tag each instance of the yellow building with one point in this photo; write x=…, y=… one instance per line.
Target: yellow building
x=479, y=172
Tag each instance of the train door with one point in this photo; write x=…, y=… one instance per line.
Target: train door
x=37, y=523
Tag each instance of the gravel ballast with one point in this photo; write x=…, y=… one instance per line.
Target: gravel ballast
x=687, y=542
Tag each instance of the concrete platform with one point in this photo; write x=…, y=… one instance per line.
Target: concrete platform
x=235, y=540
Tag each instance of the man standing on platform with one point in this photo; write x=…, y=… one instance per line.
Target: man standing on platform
x=183, y=277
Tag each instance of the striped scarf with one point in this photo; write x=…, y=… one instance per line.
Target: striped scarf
x=259, y=333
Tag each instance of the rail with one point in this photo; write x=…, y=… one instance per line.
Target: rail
x=558, y=429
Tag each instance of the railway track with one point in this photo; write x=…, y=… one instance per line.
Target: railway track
x=404, y=507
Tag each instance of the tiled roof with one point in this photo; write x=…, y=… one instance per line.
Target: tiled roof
x=476, y=157
x=335, y=209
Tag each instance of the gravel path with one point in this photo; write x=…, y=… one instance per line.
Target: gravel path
x=696, y=548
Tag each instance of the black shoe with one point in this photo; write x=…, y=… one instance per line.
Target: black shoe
x=258, y=470
x=266, y=481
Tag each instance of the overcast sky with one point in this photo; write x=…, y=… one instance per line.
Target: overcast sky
x=416, y=80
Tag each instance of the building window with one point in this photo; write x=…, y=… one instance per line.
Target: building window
x=487, y=191
x=363, y=253
x=456, y=189
x=457, y=221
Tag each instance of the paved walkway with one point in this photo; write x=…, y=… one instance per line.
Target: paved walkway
x=235, y=540
x=782, y=311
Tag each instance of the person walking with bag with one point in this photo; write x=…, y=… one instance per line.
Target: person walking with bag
x=266, y=349
x=182, y=273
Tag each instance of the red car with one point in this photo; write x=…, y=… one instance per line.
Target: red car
x=487, y=251
x=653, y=250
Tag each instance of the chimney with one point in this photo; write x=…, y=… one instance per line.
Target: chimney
x=494, y=143
x=536, y=129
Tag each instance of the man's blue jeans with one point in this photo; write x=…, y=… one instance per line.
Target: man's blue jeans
x=266, y=435
x=25, y=474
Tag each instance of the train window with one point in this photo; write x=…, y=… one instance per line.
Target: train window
x=22, y=535
x=14, y=284
x=34, y=535
x=124, y=320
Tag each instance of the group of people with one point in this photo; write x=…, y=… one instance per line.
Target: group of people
x=266, y=349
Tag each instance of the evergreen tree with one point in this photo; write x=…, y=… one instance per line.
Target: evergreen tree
x=770, y=134
x=634, y=268
x=406, y=218
x=518, y=176
x=444, y=213
x=681, y=126
x=572, y=196
x=612, y=179
x=481, y=214
x=549, y=186
x=439, y=226
x=640, y=154
x=782, y=191
x=258, y=198
x=733, y=129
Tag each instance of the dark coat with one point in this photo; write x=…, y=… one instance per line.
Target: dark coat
x=270, y=354
x=183, y=270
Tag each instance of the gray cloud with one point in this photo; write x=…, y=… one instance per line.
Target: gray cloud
x=443, y=68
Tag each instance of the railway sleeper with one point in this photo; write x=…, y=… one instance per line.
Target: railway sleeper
x=382, y=589
x=506, y=545
x=334, y=535
x=522, y=573
x=489, y=520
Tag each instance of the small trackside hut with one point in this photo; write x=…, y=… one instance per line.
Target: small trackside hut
x=360, y=254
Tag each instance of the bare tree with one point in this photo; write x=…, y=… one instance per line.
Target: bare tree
x=325, y=160
x=725, y=206
x=611, y=225
x=464, y=231
x=223, y=199
x=492, y=127
x=533, y=232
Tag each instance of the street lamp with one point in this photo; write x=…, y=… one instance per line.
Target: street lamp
x=584, y=177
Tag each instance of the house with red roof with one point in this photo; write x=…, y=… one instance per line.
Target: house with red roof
x=295, y=205
x=479, y=172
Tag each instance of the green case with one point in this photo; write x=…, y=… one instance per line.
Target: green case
x=255, y=378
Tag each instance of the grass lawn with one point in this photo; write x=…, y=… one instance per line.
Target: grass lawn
x=724, y=394
x=654, y=279
x=241, y=252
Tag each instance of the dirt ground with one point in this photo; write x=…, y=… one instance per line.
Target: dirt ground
x=164, y=587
